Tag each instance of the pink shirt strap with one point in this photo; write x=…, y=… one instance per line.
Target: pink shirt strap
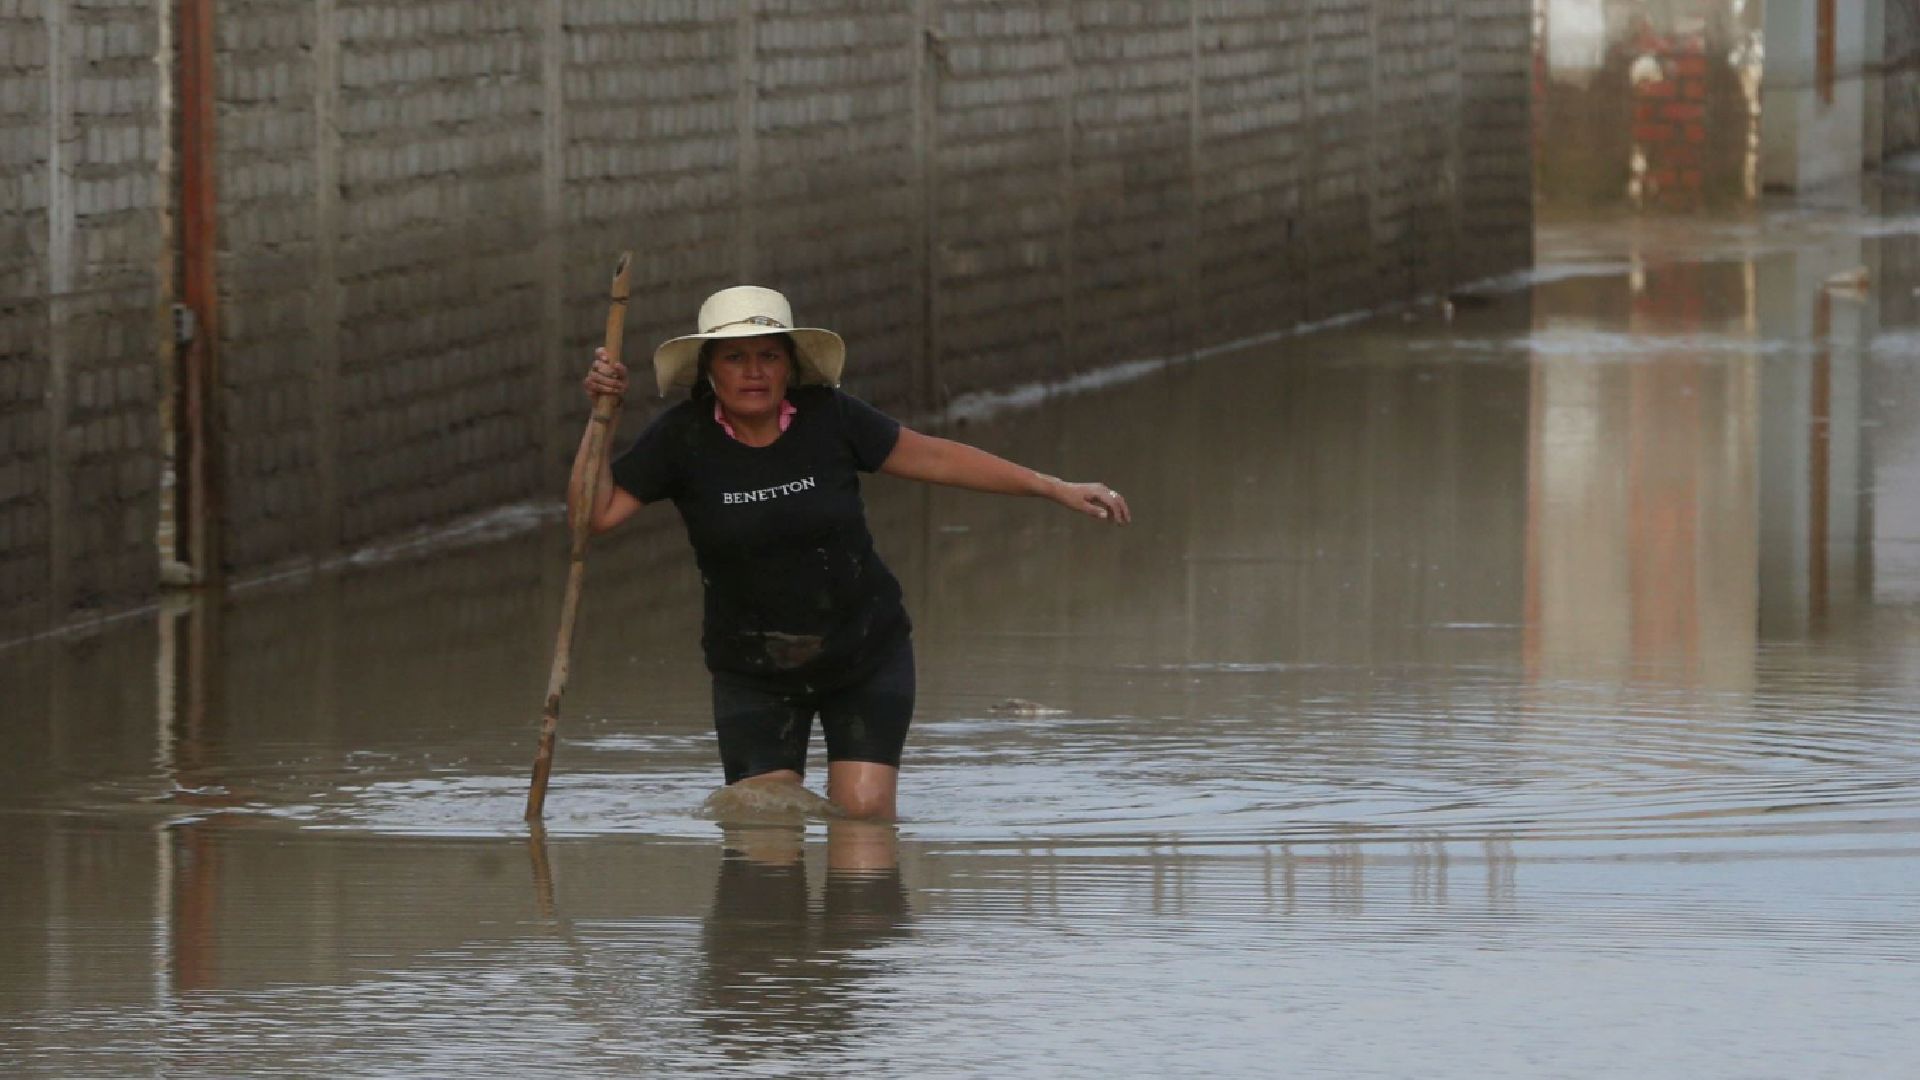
x=720, y=417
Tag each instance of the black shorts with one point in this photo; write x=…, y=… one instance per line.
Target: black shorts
x=764, y=731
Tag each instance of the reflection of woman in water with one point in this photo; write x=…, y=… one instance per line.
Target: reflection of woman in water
x=778, y=966
x=802, y=618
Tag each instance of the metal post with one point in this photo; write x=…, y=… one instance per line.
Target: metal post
x=200, y=381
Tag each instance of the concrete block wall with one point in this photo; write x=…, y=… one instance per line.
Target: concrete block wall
x=420, y=203
x=1901, y=78
x=438, y=327
x=999, y=177
x=115, y=332
x=266, y=178
x=652, y=143
x=1495, y=201
x=829, y=195
x=1339, y=95
x=1416, y=156
x=82, y=334
x=1132, y=192
x=381, y=322
x=1256, y=143
x=24, y=426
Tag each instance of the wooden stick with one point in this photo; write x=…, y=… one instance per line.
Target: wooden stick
x=581, y=519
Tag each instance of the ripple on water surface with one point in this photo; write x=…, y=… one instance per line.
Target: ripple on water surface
x=1266, y=753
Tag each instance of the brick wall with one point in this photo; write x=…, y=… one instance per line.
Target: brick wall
x=1902, y=60
x=23, y=312
x=1670, y=122
x=266, y=179
x=115, y=336
x=1664, y=115
x=420, y=203
x=381, y=331
x=1000, y=166
x=652, y=140
x=1131, y=198
x=1255, y=149
x=829, y=194
x=82, y=341
x=438, y=329
x=1416, y=156
x=1340, y=113
x=1494, y=212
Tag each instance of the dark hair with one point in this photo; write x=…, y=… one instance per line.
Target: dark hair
x=703, y=389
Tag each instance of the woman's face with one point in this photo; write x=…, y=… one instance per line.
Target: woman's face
x=750, y=374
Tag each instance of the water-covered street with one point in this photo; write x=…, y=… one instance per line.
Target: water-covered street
x=1484, y=690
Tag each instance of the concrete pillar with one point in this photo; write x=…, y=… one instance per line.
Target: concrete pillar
x=1813, y=94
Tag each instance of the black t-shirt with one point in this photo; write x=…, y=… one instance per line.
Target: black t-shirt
x=796, y=597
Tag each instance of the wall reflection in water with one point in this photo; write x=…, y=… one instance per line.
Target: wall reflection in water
x=757, y=952
x=1702, y=465
x=1642, y=548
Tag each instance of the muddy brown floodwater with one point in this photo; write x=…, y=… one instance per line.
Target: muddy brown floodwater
x=1531, y=693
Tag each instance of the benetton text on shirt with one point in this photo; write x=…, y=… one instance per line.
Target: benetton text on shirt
x=764, y=494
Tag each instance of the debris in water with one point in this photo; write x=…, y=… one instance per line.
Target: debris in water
x=1850, y=284
x=1022, y=707
x=1856, y=278
x=767, y=802
x=208, y=795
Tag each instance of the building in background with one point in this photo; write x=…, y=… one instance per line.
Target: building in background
x=1701, y=104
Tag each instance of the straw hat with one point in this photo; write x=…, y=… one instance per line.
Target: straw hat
x=750, y=311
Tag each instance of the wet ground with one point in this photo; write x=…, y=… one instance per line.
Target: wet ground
x=1527, y=693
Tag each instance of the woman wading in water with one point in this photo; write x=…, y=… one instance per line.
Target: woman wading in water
x=802, y=617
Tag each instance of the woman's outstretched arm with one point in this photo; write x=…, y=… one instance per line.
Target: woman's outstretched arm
x=943, y=461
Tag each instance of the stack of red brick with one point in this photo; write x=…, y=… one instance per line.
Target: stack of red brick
x=1670, y=119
